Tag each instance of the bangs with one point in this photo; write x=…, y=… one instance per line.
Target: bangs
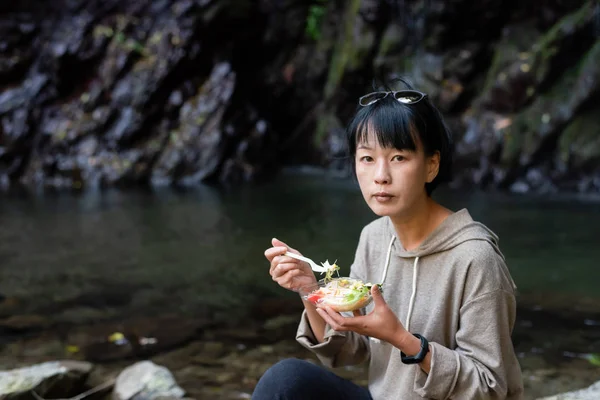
x=412, y=127
x=388, y=121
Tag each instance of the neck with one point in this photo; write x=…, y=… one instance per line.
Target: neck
x=414, y=227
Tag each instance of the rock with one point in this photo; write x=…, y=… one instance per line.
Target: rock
x=254, y=154
x=527, y=101
x=282, y=322
x=502, y=91
x=391, y=44
x=213, y=349
x=178, y=92
x=248, y=335
x=281, y=327
x=8, y=305
x=520, y=71
x=208, y=361
x=14, y=98
x=23, y=323
x=194, y=150
x=37, y=348
x=538, y=127
x=138, y=337
x=146, y=381
x=590, y=393
x=56, y=379
x=579, y=146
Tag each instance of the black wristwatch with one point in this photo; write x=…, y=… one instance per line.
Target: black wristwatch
x=420, y=355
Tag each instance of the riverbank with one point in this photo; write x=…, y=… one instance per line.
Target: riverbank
x=180, y=278
x=211, y=360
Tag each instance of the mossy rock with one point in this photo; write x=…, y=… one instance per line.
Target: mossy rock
x=344, y=57
x=555, y=42
x=579, y=143
x=550, y=44
x=327, y=123
x=517, y=74
x=390, y=45
x=545, y=117
x=515, y=44
x=344, y=50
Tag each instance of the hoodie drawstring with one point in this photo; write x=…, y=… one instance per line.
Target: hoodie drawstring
x=413, y=295
x=385, y=269
x=387, y=259
x=414, y=282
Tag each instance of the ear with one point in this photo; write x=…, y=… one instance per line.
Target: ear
x=433, y=166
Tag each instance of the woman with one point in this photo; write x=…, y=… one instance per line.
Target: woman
x=444, y=329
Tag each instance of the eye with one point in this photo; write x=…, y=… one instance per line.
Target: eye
x=366, y=159
x=398, y=157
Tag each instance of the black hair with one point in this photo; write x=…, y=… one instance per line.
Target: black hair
x=401, y=126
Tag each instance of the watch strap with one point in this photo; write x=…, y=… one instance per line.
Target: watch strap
x=420, y=356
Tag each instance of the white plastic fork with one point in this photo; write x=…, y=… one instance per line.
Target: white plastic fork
x=315, y=267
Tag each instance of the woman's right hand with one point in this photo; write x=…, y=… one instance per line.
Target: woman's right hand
x=288, y=272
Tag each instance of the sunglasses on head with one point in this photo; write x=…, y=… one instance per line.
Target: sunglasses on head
x=403, y=96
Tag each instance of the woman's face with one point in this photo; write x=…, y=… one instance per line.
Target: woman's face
x=393, y=181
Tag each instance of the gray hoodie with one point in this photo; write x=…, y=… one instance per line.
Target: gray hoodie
x=455, y=290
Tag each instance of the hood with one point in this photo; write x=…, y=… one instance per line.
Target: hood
x=457, y=228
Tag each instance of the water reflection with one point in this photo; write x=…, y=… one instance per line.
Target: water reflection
x=199, y=250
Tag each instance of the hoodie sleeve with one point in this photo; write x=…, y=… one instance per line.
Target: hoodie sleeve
x=481, y=364
x=339, y=348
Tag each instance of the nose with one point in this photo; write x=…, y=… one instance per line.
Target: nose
x=382, y=173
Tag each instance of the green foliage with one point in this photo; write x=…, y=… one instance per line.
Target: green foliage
x=121, y=39
x=344, y=48
x=316, y=11
x=594, y=359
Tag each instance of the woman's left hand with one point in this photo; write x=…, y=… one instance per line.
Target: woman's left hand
x=381, y=323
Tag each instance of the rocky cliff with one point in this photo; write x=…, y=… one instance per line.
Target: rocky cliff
x=102, y=92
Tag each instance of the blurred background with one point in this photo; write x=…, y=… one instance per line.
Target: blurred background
x=150, y=150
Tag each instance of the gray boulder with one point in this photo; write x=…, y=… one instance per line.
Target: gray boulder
x=56, y=379
x=146, y=381
x=590, y=393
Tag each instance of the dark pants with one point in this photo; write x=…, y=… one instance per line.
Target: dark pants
x=293, y=379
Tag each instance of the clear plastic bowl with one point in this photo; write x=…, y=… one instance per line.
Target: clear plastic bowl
x=339, y=298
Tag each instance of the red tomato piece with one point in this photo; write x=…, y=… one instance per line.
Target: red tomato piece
x=314, y=297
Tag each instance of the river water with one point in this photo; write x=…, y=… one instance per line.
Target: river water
x=84, y=257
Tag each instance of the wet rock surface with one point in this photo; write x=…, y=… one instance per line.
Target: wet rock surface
x=146, y=381
x=63, y=378
x=590, y=393
x=225, y=360
x=176, y=92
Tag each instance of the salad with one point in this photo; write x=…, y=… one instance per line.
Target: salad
x=341, y=294
x=329, y=270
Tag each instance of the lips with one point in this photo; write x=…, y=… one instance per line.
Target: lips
x=383, y=197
